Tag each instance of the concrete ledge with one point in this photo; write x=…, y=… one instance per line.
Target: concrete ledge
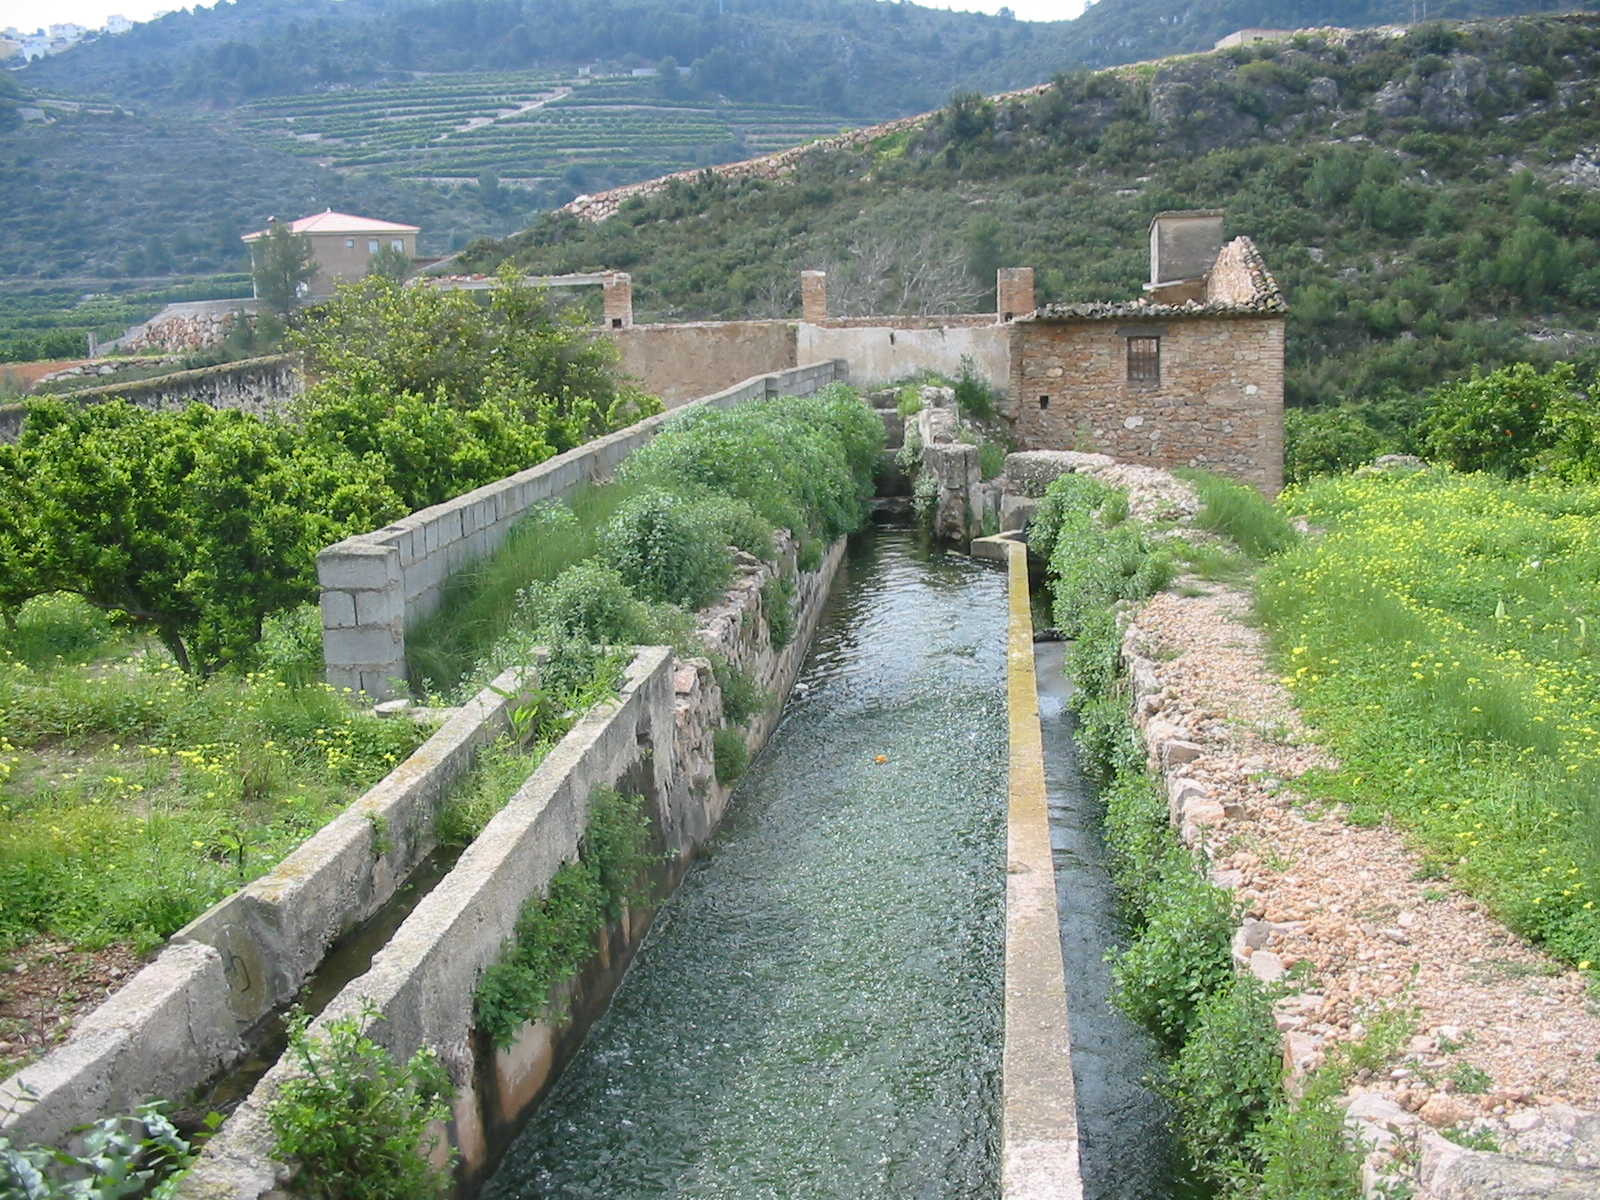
x=183, y=1019
x=1039, y=1122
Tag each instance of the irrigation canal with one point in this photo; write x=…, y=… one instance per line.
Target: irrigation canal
x=817, y=1010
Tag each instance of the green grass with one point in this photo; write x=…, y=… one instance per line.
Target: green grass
x=481, y=601
x=1240, y=512
x=132, y=796
x=1438, y=637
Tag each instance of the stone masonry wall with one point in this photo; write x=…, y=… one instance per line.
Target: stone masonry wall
x=681, y=362
x=186, y=326
x=1233, y=277
x=1218, y=404
x=255, y=385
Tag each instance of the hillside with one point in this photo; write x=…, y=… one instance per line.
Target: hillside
x=1429, y=201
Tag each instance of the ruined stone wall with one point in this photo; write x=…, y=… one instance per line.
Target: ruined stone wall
x=680, y=362
x=185, y=327
x=1218, y=403
x=1235, y=275
x=880, y=349
x=262, y=386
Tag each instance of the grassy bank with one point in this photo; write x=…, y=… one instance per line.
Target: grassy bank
x=1440, y=635
x=133, y=796
x=1241, y=1135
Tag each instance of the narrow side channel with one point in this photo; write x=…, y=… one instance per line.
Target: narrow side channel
x=1125, y=1143
x=817, y=1010
x=1041, y=1119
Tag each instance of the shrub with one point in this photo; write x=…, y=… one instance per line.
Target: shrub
x=1327, y=441
x=975, y=399
x=742, y=697
x=1181, y=956
x=589, y=601
x=731, y=754
x=355, y=1123
x=1226, y=1079
x=909, y=403
x=777, y=604
x=665, y=549
x=1494, y=422
x=1065, y=494
x=991, y=458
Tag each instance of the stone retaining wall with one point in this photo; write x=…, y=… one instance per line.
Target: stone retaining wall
x=254, y=385
x=377, y=585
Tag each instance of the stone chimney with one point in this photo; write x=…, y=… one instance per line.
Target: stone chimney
x=1013, y=286
x=1183, y=245
x=617, y=291
x=814, y=296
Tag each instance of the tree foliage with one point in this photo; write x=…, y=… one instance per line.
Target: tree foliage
x=199, y=524
x=281, y=262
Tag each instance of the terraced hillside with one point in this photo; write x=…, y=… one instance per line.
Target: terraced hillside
x=525, y=127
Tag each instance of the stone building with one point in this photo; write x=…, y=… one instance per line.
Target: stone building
x=343, y=246
x=1190, y=375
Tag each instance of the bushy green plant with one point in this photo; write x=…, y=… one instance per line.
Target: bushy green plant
x=991, y=458
x=665, y=549
x=729, y=753
x=742, y=697
x=909, y=402
x=1065, y=496
x=1328, y=441
x=975, y=399
x=589, y=600
x=355, y=1123
x=1226, y=1078
x=1181, y=955
x=777, y=606
x=115, y=1157
x=555, y=932
x=1495, y=422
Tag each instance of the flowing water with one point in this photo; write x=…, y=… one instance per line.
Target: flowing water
x=1124, y=1146
x=817, y=1010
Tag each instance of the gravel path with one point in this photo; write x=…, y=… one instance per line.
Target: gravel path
x=1504, y=1033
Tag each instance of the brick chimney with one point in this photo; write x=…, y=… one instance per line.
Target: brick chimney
x=1013, y=287
x=617, y=291
x=814, y=296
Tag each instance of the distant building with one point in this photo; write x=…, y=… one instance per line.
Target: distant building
x=343, y=246
x=1249, y=37
x=67, y=30
x=116, y=23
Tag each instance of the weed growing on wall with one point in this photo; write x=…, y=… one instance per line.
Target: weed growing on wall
x=355, y=1123
x=555, y=933
x=777, y=605
x=730, y=754
x=1440, y=636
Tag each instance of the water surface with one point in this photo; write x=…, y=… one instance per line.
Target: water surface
x=817, y=1010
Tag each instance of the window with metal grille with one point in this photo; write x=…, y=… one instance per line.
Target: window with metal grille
x=1144, y=360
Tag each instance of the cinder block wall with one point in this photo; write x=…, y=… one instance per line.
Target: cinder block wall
x=376, y=585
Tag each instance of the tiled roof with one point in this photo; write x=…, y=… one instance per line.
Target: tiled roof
x=337, y=222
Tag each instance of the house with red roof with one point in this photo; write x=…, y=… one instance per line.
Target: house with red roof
x=343, y=246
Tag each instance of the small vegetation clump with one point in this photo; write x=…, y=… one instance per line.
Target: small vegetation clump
x=730, y=754
x=136, y=1155
x=555, y=932
x=1440, y=635
x=353, y=1122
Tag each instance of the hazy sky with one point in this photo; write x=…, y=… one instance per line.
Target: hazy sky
x=28, y=15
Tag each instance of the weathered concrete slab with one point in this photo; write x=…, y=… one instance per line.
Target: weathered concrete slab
x=1039, y=1122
